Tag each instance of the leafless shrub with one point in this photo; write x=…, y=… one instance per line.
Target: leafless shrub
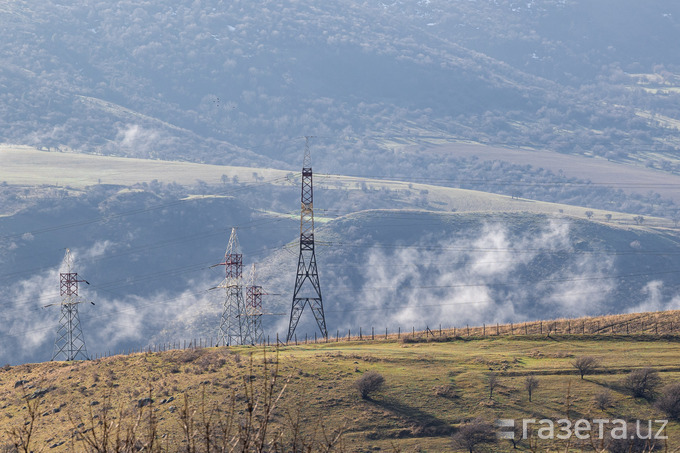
x=368, y=383
x=473, y=434
x=243, y=424
x=669, y=401
x=446, y=391
x=187, y=355
x=586, y=365
x=638, y=439
x=22, y=435
x=642, y=383
x=604, y=400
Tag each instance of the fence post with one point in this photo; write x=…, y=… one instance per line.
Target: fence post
x=361, y=336
x=483, y=329
x=541, y=327
x=440, y=330
x=296, y=343
x=413, y=334
x=399, y=333
x=315, y=337
x=512, y=329
x=349, y=334
x=372, y=333
x=385, y=333
x=305, y=338
x=468, y=329
x=498, y=331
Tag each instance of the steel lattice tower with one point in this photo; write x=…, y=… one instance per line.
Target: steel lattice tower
x=307, y=287
x=233, y=326
x=254, y=311
x=70, y=343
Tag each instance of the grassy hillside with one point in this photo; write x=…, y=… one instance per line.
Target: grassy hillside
x=431, y=389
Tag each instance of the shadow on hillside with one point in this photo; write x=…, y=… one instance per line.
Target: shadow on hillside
x=419, y=422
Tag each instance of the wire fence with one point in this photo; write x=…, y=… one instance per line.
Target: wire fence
x=645, y=324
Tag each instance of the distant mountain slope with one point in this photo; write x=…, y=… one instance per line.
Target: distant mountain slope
x=229, y=82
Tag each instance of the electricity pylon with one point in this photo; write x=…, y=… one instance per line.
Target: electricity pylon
x=307, y=287
x=254, y=311
x=233, y=328
x=70, y=343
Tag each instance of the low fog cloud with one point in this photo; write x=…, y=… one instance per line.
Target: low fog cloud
x=483, y=277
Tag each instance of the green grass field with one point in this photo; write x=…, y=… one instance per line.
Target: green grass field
x=430, y=389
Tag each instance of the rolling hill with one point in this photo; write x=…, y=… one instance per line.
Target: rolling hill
x=177, y=400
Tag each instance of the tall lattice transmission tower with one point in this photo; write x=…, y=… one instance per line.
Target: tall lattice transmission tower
x=70, y=343
x=307, y=287
x=233, y=326
x=254, y=311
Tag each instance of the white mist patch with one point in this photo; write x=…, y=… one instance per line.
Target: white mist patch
x=137, y=141
x=29, y=323
x=655, y=299
x=581, y=287
x=480, y=278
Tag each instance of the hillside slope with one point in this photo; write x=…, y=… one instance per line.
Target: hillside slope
x=219, y=82
x=431, y=389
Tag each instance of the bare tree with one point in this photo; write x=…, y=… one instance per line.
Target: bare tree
x=473, y=434
x=639, y=219
x=643, y=382
x=370, y=382
x=586, y=365
x=531, y=384
x=608, y=217
x=669, y=401
x=492, y=383
x=23, y=435
x=589, y=214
